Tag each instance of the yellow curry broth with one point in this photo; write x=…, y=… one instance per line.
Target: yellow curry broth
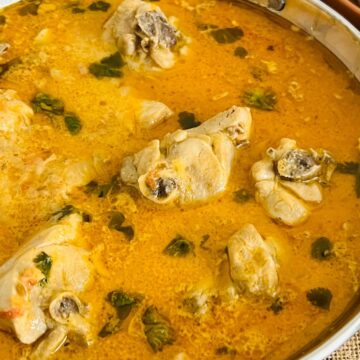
x=321, y=112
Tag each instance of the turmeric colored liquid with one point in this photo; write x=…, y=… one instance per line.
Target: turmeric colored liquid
x=316, y=106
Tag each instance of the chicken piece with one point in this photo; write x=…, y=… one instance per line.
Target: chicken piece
x=31, y=180
x=288, y=180
x=141, y=31
x=61, y=176
x=15, y=115
x=149, y=113
x=189, y=165
x=253, y=267
x=247, y=268
x=40, y=287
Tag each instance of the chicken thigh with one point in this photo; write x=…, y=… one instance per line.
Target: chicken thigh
x=142, y=32
x=189, y=165
x=289, y=179
x=40, y=288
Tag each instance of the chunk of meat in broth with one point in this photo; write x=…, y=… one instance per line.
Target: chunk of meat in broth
x=253, y=266
x=189, y=165
x=142, y=32
x=248, y=268
x=289, y=179
x=40, y=287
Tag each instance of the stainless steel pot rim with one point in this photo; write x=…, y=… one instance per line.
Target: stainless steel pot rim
x=335, y=341
x=325, y=25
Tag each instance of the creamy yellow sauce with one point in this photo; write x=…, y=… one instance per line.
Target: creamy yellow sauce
x=323, y=111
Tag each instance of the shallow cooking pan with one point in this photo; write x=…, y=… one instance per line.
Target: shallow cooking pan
x=342, y=39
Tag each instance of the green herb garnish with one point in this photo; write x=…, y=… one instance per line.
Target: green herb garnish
x=187, y=120
x=116, y=223
x=320, y=297
x=117, y=219
x=260, y=98
x=78, y=10
x=321, y=249
x=47, y=104
x=118, y=299
x=240, y=52
x=115, y=60
x=227, y=35
x=128, y=231
x=108, y=66
x=99, y=6
x=112, y=326
x=101, y=70
x=157, y=329
x=43, y=262
x=242, y=196
x=123, y=303
x=179, y=247
x=72, y=123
